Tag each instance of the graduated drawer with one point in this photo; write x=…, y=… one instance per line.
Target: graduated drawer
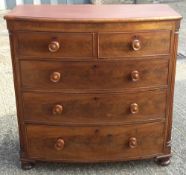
x=52, y=45
x=136, y=44
x=91, y=144
x=94, y=75
x=94, y=108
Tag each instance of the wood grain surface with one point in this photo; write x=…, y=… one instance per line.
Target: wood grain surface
x=94, y=143
x=94, y=108
x=94, y=83
x=94, y=75
x=70, y=44
x=93, y=12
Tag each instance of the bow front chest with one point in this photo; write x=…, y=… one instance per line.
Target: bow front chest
x=94, y=83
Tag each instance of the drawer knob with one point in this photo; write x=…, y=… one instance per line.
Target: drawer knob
x=59, y=145
x=55, y=77
x=132, y=142
x=53, y=46
x=135, y=75
x=136, y=44
x=57, y=110
x=134, y=109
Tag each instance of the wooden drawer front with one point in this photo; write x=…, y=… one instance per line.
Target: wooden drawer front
x=94, y=143
x=94, y=108
x=46, y=45
x=134, y=44
x=93, y=75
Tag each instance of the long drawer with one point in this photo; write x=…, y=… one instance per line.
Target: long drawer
x=55, y=75
x=94, y=143
x=134, y=44
x=52, y=45
x=94, y=108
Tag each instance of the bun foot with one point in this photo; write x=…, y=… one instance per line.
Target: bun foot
x=27, y=165
x=163, y=161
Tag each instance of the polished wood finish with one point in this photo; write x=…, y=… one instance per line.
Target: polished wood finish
x=133, y=142
x=94, y=108
x=55, y=44
x=94, y=83
x=135, y=76
x=93, y=13
x=57, y=109
x=134, y=108
x=59, y=145
x=163, y=161
x=55, y=77
x=94, y=75
x=134, y=44
x=94, y=143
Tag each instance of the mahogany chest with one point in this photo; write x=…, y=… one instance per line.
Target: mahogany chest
x=94, y=83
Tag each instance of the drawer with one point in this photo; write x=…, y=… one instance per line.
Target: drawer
x=93, y=75
x=91, y=144
x=134, y=44
x=107, y=108
x=52, y=45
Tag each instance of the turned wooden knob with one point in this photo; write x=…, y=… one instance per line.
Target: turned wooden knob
x=134, y=109
x=59, y=145
x=53, y=46
x=57, y=109
x=132, y=142
x=136, y=44
x=135, y=75
x=55, y=77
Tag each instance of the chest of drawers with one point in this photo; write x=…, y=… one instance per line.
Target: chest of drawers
x=94, y=83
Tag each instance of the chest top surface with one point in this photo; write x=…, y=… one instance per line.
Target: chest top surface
x=92, y=13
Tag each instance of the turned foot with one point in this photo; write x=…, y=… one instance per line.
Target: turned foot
x=163, y=161
x=27, y=165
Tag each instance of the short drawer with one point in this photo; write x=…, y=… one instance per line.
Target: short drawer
x=134, y=44
x=93, y=75
x=106, y=108
x=91, y=144
x=52, y=45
